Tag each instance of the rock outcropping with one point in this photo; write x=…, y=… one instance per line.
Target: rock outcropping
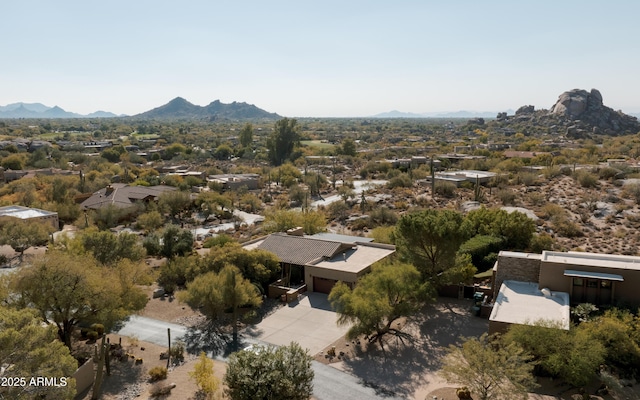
x=577, y=114
x=587, y=108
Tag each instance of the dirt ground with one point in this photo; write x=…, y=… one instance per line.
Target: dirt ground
x=129, y=380
x=410, y=369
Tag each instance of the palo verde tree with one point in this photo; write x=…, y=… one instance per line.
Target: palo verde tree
x=66, y=290
x=270, y=373
x=32, y=350
x=282, y=141
x=490, y=368
x=227, y=290
x=430, y=239
x=389, y=292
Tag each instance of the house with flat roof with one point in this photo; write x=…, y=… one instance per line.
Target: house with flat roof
x=570, y=278
x=235, y=181
x=320, y=261
x=30, y=214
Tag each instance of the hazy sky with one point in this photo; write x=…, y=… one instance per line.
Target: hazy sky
x=323, y=58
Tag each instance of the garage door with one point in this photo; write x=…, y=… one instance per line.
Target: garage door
x=323, y=285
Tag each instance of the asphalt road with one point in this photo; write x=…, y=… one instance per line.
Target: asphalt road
x=152, y=330
x=328, y=383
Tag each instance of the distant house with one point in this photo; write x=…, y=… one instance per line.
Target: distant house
x=122, y=195
x=235, y=181
x=528, y=287
x=459, y=177
x=320, y=261
x=30, y=214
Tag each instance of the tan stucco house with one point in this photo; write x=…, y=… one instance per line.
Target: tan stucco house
x=320, y=261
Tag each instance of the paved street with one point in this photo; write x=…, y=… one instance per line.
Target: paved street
x=152, y=330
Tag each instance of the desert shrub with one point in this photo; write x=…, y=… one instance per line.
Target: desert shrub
x=204, y=376
x=177, y=352
x=360, y=223
x=445, y=189
x=537, y=198
x=608, y=173
x=541, y=242
x=528, y=178
x=383, y=216
x=551, y=210
x=383, y=234
x=551, y=172
x=567, y=171
x=506, y=196
x=98, y=328
x=158, y=373
x=218, y=240
x=92, y=335
x=565, y=227
x=632, y=191
x=402, y=180
x=586, y=179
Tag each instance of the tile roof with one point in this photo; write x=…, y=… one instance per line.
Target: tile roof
x=122, y=195
x=299, y=250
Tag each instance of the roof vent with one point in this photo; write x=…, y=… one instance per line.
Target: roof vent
x=546, y=292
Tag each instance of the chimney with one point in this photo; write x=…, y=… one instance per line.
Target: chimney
x=108, y=190
x=298, y=231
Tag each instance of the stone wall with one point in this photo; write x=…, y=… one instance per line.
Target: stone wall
x=523, y=267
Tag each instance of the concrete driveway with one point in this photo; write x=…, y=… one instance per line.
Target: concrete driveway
x=309, y=321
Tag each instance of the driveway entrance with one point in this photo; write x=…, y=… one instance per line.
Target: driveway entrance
x=309, y=321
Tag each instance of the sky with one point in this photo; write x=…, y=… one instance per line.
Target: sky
x=318, y=59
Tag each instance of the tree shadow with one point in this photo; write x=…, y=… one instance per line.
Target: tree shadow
x=405, y=364
x=212, y=337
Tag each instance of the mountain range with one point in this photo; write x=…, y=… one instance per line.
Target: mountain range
x=177, y=108
x=38, y=110
x=445, y=114
x=180, y=108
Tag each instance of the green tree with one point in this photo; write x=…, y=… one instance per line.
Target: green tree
x=246, y=135
x=30, y=349
x=203, y=375
x=270, y=373
x=109, y=248
x=515, y=228
x=381, y=297
x=312, y=222
x=489, y=368
x=22, y=234
x=66, y=290
x=258, y=266
x=223, y=152
x=282, y=141
x=150, y=221
x=348, y=147
x=227, y=291
x=176, y=241
x=174, y=202
x=572, y=355
x=430, y=240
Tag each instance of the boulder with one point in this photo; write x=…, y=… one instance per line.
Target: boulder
x=158, y=293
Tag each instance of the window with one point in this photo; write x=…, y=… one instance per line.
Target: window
x=592, y=283
x=605, y=284
x=578, y=281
